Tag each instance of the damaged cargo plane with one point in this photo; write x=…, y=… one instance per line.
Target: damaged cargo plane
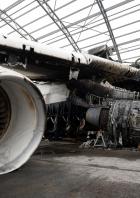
x=55, y=93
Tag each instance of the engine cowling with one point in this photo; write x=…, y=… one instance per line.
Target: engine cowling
x=22, y=119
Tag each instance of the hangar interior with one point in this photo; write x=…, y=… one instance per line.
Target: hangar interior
x=69, y=98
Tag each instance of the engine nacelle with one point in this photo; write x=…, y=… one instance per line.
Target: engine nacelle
x=22, y=119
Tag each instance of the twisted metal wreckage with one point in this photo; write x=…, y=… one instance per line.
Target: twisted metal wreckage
x=78, y=92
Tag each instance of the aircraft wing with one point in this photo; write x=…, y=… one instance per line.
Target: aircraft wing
x=42, y=62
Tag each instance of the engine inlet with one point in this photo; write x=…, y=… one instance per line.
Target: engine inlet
x=5, y=112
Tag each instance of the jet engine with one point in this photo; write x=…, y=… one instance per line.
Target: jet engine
x=22, y=119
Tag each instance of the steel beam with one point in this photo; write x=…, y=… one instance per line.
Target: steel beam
x=16, y=24
x=59, y=23
x=103, y=12
x=92, y=27
x=79, y=21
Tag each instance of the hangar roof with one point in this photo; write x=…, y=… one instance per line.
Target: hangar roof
x=76, y=25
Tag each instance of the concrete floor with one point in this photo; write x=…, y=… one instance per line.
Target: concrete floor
x=61, y=170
